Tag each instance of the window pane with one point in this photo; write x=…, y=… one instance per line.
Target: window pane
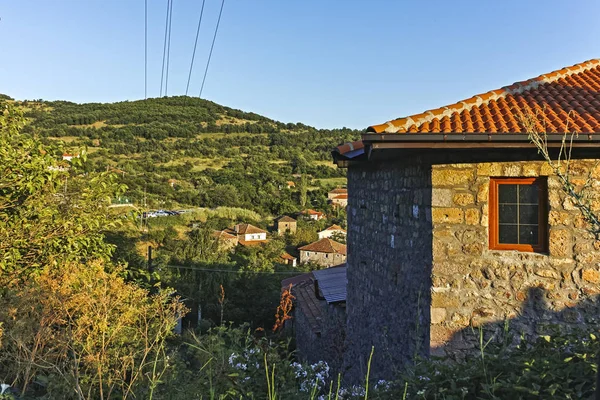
x=507, y=194
x=528, y=234
x=508, y=234
x=528, y=194
x=528, y=214
x=508, y=214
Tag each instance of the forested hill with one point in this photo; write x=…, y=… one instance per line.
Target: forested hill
x=187, y=151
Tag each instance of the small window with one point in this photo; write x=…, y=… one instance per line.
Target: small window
x=518, y=214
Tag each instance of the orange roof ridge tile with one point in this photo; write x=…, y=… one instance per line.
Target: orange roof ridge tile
x=402, y=125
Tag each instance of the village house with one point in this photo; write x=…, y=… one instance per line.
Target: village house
x=338, y=197
x=319, y=316
x=332, y=230
x=69, y=157
x=226, y=239
x=248, y=234
x=456, y=221
x=312, y=214
x=288, y=259
x=324, y=252
x=286, y=224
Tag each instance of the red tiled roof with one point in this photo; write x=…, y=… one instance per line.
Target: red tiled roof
x=325, y=245
x=567, y=100
x=334, y=228
x=312, y=212
x=341, y=196
x=349, y=147
x=339, y=190
x=285, y=218
x=287, y=256
x=248, y=229
x=223, y=235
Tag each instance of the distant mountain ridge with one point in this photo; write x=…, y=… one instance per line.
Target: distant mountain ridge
x=191, y=151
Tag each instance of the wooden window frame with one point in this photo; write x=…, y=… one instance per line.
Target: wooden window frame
x=493, y=210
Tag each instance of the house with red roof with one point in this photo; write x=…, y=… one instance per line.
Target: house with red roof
x=248, y=234
x=455, y=220
x=324, y=252
x=312, y=214
x=332, y=230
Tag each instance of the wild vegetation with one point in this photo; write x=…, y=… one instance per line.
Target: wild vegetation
x=182, y=151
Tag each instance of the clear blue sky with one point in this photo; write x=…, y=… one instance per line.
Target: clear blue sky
x=321, y=62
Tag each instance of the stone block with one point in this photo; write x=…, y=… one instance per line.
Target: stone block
x=438, y=315
x=590, y=275
x=441, y=197
x=472, y=216
x=547, y=273
x=463, y=199
x=511, y=169
x=559, y=218
x=447, y=215
x=530, y=169
x=451, y=177
x=482, y=192
x=444, y=300
x=489, y=169
x=546, y=169
x=560, y=243
x=440, y=334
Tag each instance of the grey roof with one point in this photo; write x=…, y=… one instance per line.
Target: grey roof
x=332, y=282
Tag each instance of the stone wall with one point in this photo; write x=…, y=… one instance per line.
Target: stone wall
x=420, y=272
x=389, y=266
x=283, y=227
x=328, y=344
x=474, y=286
x=322, y=259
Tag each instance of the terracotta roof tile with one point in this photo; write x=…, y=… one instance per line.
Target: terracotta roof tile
x=243, y=229
x=334, y=228
x=570, y=94
x=339, y=190
x=325, y=245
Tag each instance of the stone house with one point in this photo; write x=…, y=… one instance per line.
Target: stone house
x=319, y=316
x=312, y=214
x=324, y=252
x=336, y=192
x=226, y=239
x=455, y=221
x=332, y=230
x=338, y=197
x=249, y=234
x=286, y=224
x=288, y=259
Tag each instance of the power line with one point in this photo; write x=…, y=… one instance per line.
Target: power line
x=169, y=48
x=162, y=74
x=211, y=48
x=145, y=49
x=195, y=45
x=236, y=272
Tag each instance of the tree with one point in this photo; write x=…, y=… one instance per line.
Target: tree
x=49, y=212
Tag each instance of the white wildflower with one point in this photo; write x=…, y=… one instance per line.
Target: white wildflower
x=4, y=387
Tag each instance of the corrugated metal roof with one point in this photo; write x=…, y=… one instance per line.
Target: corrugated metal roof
x=332, y=282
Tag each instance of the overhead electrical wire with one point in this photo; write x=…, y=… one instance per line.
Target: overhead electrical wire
x=168, y=48
x=194, y=52
x=211, y=48
x=162, y=74
x=234, y=271
x=145, y=49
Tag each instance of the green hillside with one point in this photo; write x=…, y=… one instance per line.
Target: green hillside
x=183, y=151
